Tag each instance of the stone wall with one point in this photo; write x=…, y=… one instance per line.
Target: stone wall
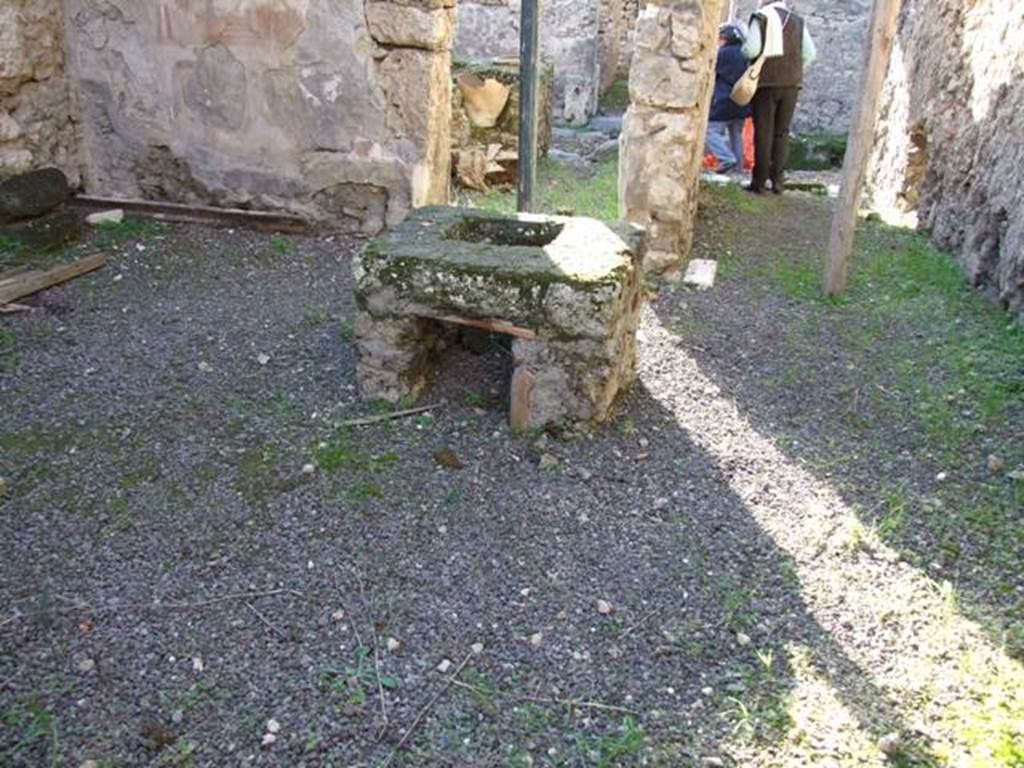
x=950, y=141
x=36, y=125
x=334, y=109
x=662, y=138
x=571, y=41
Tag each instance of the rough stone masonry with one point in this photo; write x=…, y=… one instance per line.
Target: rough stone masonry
x=568, y=290
x=662, y=142
x=950, y=141
x=36, y=124
x=334, y=109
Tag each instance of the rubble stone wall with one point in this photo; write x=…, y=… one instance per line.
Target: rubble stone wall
x=662, y=138
x=950, y=139
x=334, y=109
x=571, y=41
x=36, y=125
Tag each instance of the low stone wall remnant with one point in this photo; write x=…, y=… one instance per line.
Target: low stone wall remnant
x=338, y=110
x=569, y=291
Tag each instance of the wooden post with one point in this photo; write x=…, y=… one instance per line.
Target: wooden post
x=529, y=80
x=882, y=33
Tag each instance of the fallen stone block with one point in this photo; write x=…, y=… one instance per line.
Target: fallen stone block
x=30, y=195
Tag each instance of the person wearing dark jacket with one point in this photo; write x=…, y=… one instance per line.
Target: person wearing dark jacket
x=725, y=123
x=781, y=36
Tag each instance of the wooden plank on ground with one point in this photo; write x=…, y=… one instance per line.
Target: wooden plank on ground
x=30, y=282
x=8, y=275
x=268, y=221
x=880, y=41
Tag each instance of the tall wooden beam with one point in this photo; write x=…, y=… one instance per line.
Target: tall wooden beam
x=882, y=34
x=529, y=80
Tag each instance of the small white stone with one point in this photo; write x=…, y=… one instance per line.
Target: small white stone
x=263, y=359
x=85, y=666
x=477, y=648
x=547, y=461
x=197, y=664
x=393, y=644
x=707, y=691
x=941, y=477
x=338, y=615
x=115, y=216
x=308, y=469
x=205, y=366
x=444, y=666
x=742, y=639
x=536, y=639
x=273, y=726
x=268, y=739
x=604, y=607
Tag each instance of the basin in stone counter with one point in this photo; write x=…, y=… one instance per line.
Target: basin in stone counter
x=567, y=289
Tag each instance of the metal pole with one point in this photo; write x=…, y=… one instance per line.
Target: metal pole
x=529, y=77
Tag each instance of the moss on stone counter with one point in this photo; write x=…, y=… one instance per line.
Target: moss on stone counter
x=585, y=252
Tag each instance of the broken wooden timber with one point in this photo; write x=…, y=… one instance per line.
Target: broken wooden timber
x=492, y=325
x=264, y=221
x=33, y=282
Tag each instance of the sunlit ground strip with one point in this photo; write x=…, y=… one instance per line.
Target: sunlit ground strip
x=921, y=652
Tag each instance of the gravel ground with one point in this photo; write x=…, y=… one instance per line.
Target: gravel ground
x=679, y=589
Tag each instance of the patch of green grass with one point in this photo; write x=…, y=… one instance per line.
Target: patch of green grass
x=281, y=245
x=732, y=197
x=9, y=357
x=37, y=732
x=349, y=687
x=615, y=100
x=759, y=707
x=9, y=245
x=611, y=749
x=114, y=233
x=565, y=190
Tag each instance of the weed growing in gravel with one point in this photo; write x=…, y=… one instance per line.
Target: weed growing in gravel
x=611, y=749
x=37, y=730
x=349, y=687
x=282, y=246
x=347, y=329
x=8, y=351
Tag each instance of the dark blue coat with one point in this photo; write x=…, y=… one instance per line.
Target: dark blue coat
x=728, y=70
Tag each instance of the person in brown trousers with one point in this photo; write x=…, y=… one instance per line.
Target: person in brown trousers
x=782, y=36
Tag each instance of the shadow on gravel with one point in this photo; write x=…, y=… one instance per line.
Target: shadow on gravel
x=910, y=452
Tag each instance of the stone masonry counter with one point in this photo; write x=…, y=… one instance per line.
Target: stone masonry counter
x=567, y=289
